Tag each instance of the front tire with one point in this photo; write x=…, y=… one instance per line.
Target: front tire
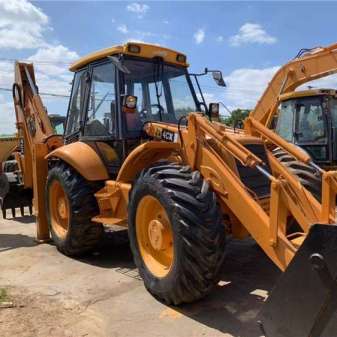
x=70, y=206
x=310, y=178
x=177, y=236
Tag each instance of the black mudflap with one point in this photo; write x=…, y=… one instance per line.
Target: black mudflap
x=304, y=301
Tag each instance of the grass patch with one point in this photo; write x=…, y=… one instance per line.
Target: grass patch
x=3, y=295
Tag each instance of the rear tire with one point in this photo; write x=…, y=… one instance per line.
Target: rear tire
x=310, y=178
x=198, y=233
x=73, y=232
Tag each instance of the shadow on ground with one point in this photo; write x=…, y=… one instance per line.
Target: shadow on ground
x=22, y=219
x=13, y=241
x=247, y=276
x=233, y=307
x=114, y=252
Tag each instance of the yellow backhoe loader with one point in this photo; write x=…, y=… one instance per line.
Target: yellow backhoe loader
x=13, y=192
x=133, y=156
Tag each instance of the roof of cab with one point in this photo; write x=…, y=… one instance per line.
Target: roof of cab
x=146, y=51
x=308, y=93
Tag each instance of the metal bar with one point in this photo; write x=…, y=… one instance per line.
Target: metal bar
x=315, y=166
x=265, y=173
x=31, y=83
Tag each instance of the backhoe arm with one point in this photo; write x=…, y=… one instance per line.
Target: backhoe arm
x=313, y=65
x=33, y=123
x=37, y=139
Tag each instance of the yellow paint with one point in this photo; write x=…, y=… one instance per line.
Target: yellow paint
x=7, y=146
x=308, y=93
x=83, y=158
x=154, y=236
x=146, y=51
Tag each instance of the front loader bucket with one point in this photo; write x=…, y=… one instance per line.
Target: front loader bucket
x=304, y=301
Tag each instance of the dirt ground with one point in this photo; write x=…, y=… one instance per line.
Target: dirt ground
x=102, y=295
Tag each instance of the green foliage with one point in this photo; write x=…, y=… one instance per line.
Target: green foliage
x=237, y=115
x=3, y=295
x=3, y=135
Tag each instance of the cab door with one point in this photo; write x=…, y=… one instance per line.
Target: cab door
x=311, y=131
x=77, y=106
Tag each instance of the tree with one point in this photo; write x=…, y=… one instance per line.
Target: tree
x=236, y=116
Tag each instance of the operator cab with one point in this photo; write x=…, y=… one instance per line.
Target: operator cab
x=117, y=90
x=309, y=119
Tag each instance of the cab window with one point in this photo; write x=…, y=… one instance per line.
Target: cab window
x=311, y=124
x=100, y=120
x=76, y=103
x=284, y=126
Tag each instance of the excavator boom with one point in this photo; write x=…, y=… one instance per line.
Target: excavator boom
x=311, y=65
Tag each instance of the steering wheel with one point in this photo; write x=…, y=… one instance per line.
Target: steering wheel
x=143, y=113
x=159, y=106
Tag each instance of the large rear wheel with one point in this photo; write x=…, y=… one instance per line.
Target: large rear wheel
x=176, y=233
x=70, y=206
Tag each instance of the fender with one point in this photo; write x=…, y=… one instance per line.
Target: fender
x=143, y=156
x=83, y=159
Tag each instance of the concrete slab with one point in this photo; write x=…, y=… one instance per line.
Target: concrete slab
x=102, y=294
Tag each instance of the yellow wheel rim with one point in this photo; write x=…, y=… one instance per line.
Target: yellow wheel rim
x=154, y=236
x=59, y=209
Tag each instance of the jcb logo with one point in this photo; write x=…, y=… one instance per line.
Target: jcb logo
x=168, y=135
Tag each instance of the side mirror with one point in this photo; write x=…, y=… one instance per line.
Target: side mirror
x=217, y=76
x=130, y=103
x=214, y=111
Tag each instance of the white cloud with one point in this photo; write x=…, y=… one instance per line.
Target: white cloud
x=199, y=36
x=123, y=29
x=141, y=35
x=328, y=82
x=6, y=74
x=251, y=33
x=246, y=85
x=166, y=22
x=54, y=54
x=138, y=8
x=51, y=69
x=113, y=20
x=220, y=38
x=7, y=117
x=22, y=25
x=53, y=75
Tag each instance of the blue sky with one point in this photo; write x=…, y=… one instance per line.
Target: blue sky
x=248, y=41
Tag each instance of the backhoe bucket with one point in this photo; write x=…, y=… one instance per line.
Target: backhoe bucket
x=304, y=301
x=17, y=199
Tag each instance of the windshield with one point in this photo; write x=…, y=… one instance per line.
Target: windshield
x=164, y=93
x=310, y=121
